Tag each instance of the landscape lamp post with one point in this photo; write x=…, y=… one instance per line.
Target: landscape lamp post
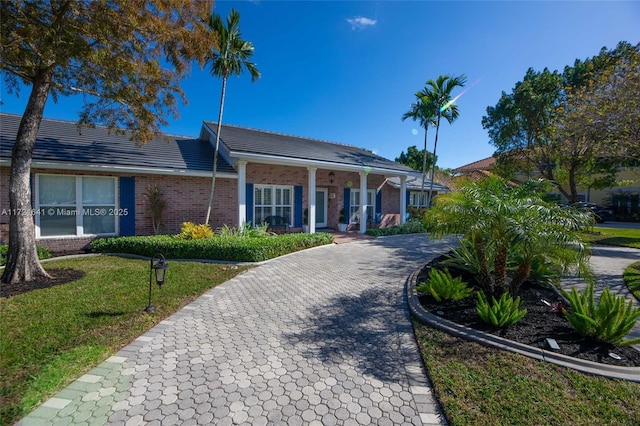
x=160, y=267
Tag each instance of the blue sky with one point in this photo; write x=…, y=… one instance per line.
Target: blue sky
x=346, y=71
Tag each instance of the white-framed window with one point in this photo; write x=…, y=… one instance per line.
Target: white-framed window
x=272, y=200
x=354, y=205
x=418, y=199
x=70, y=206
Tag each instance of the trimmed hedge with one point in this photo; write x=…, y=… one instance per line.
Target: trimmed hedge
x=230, y=249
x=410, y=227
x=43, y=253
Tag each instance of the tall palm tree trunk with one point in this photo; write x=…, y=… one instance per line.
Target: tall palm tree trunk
x=215, y=152
x=424, y=162
x=433, y=166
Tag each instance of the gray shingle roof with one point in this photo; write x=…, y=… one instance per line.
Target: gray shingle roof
x=244, y=140
x=414, y=183
x=61, y=141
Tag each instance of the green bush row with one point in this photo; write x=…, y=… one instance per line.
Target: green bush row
x=43, y=253
x=410, y=227
x=229, y=249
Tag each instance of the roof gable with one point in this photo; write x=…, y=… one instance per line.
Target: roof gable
x=245, y=141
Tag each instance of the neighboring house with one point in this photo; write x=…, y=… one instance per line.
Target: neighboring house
x=89, y=182
x=624, y=200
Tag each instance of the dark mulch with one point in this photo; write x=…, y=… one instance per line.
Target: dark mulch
x=58, y=276
x=538, y=324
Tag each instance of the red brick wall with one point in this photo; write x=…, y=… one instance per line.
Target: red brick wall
x=187, y=198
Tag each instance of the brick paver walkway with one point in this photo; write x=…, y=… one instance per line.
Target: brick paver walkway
x=316, y=337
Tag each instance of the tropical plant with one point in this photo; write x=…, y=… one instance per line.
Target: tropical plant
x=503, y=312
x=442, y=286
x=343, y=216
x=247, y=231
x=437, y=94
x=157, y=206
x=230, y=57
x=125, y=58
x=510, y=225
x=193, y=231
x=610, y=320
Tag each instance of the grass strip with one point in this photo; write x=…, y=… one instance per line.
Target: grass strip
x=478, y=385
x=631, y=278
x=52, y=336
x=614, y=237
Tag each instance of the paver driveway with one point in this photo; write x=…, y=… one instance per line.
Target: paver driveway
x=315, y=337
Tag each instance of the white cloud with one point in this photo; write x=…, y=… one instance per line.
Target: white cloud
x=360, y=22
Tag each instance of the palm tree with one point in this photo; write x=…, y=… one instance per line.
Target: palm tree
x=438, y=94
x=230, y=58
x=425, y=113
x=510, y=226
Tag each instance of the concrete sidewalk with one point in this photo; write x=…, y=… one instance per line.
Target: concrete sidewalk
x=316, y=337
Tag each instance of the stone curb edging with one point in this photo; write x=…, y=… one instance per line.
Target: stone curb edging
x=585, y=366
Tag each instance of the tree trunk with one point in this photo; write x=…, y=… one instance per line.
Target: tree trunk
x=572, y=185
x=22, y=261
x=215, y=152
x=520, y=276
x=424, y=161
x=500, y=270
x=433, y=166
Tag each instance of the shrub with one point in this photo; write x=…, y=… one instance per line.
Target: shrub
x=442, y=286
x=43, y=253
x=500, y=313
x=229, y=249
x=610, y=320
x=410, y=227
x=193, y=231
x=247, y=231
x=157, y=204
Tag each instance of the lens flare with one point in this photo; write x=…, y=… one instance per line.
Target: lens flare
x=414, y=132
x=367, y=169
x=452, y=101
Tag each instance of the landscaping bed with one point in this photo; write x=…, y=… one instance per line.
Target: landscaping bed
x=537, y=325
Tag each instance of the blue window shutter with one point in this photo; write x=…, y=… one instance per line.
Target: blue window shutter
x=347, y=201
x=128, y=202
x=249, y=200
x=297, y=206
x=408, y=198
x=379, y=206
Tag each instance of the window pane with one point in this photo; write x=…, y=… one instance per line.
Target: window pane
x=278, y=196
x=58, y=223
x=97, y=190
x=267, y=197
x=57, y=190
x=355, y=197
x=97, y=220
x=286, y=197
x=257, y=194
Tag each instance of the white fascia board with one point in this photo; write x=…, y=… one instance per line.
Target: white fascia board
x=52, y=165
x=298, y=162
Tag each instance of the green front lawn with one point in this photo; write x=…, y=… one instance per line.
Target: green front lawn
x=54, y=335
x=477, y=385
x=614, y=237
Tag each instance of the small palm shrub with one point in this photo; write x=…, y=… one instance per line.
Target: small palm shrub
x=610, y=320
x=193, y=231
x=247, y=231
x=442, y=286
x=503, y=312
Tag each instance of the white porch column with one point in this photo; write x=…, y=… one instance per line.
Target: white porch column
x=242, y=193
x=363, y=202
x=403, y=199
x=312, y=199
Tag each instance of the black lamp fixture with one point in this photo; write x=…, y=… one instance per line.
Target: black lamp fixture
x=158, y=265
x=331, y=176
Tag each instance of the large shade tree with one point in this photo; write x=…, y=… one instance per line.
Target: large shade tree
x=231, y=56
x=417, y=159
x=125, y=57
x=574, y=128
x=437, y=94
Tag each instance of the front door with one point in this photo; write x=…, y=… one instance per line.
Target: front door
x=321, y=208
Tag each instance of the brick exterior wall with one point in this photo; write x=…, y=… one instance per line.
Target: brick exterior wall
x=187, y=198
